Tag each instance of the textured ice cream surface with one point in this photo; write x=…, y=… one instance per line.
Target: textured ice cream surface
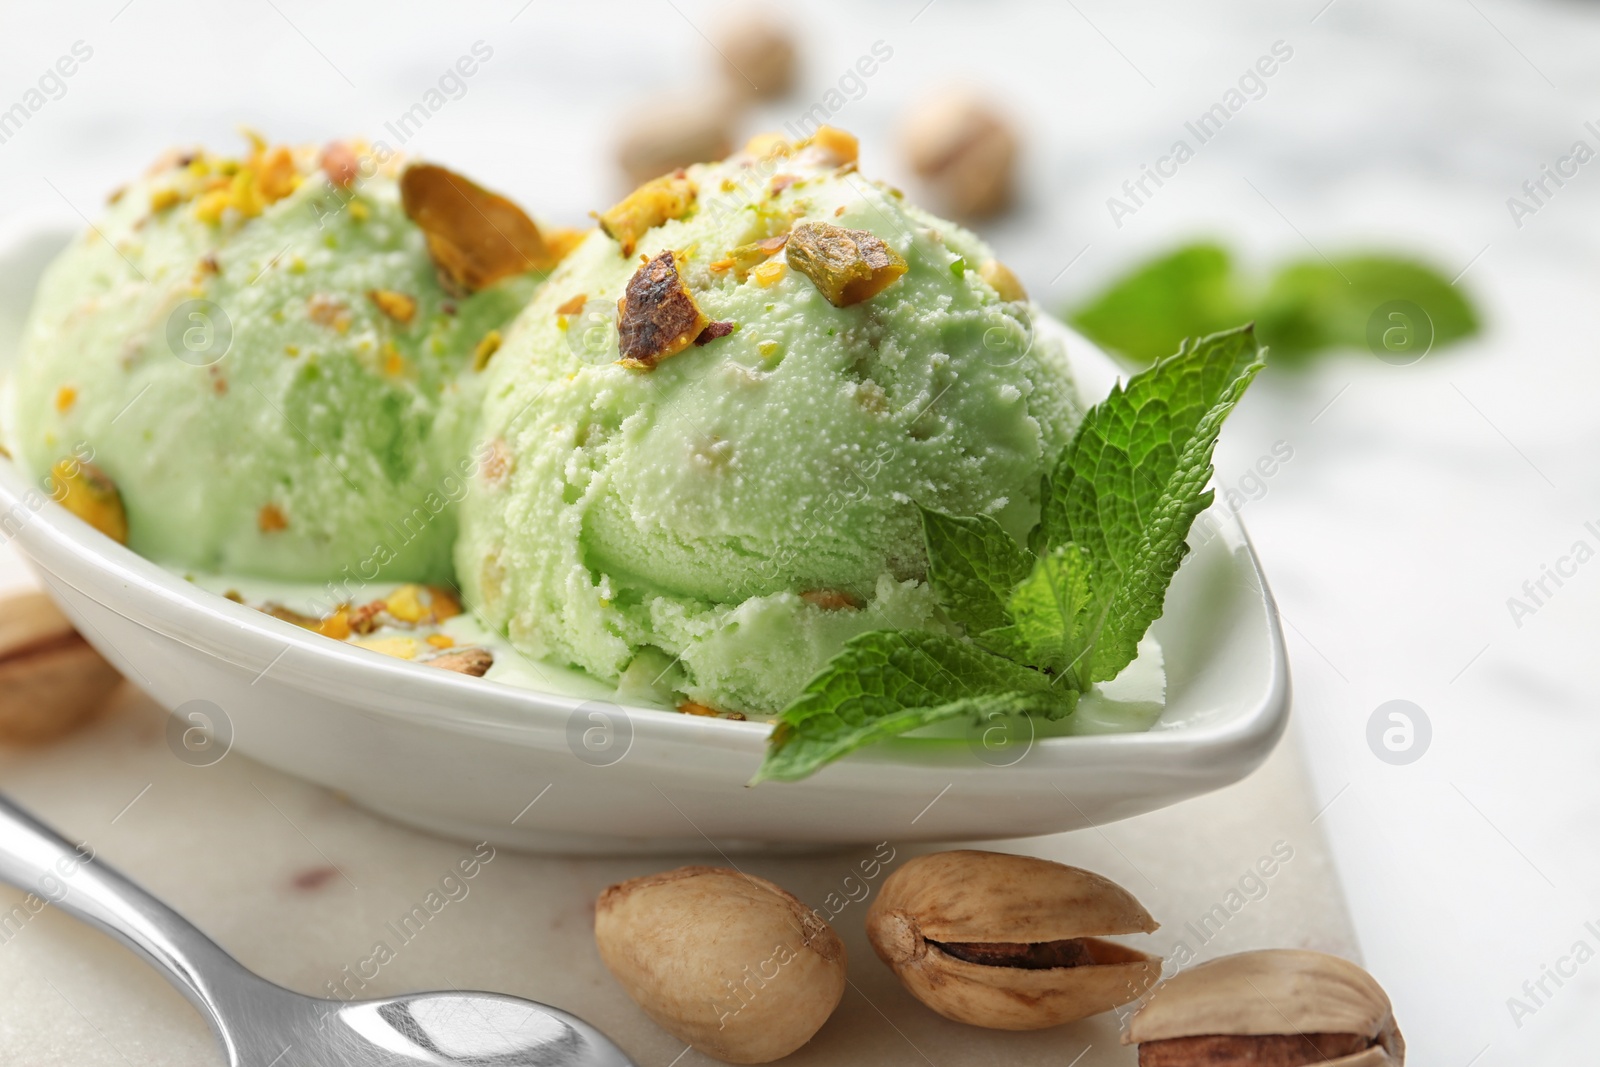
x=266, y=365
x=750, y=503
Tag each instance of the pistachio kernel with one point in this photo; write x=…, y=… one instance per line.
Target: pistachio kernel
x=846, y=266
x=656, y=317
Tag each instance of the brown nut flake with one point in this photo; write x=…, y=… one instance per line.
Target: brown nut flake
x=87, y=492
x=51, y=680
x=573, y=306
x=1010, y=942
x=831, y=599
x=650, y=205
x=1275, y=1007
x=340, y=163
x=398, y=306
x=715, y=330
x=1001, y=280
x=656, y=317
x=474, y=662
x=475, y=237
x=271, y=519
x=846, y=266
x=728, y=963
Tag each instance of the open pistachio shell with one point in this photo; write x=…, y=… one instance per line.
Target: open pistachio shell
x=1274, y=992
x=973, y=934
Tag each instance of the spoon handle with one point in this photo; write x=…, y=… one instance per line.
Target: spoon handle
x=37, y=860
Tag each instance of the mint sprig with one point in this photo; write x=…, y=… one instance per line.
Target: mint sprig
x=1042, y=622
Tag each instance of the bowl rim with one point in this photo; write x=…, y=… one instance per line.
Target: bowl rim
x=160, y=600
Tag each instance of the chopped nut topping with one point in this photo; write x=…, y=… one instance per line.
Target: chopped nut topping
x=770, y=274
x=656, y=317
x=398, y=647
x=406, y=604
x=276, y=175
x=444, y=602
x=573, y=306
x=66, y=396
x=325, y=310
x=999, y=276
x=474, y=662
x=713, y=331
x=497, y=465
x=209, y=264
x=398, y=306
x=485, y=350
x=846, y=266
x=780, y=182
x=164, y=198
x=271, y=519
x=650, y=205
x=86, y=491
x=475, y=237
x=830, y=599
x=835, y=145
x=340, y=163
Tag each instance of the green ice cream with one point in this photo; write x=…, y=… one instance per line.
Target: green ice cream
x=260, y=355
x=749, y=504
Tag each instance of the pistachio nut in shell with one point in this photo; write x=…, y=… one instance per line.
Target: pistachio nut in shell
x=1276, y=1008
x=51, y=680
x=729, y=963
x=1010, y=942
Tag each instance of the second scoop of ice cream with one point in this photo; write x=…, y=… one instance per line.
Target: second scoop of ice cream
x=749, y=503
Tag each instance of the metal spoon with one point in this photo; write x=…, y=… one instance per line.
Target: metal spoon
x=264, y=1025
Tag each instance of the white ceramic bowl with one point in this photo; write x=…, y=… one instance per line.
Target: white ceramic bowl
x=477, y=759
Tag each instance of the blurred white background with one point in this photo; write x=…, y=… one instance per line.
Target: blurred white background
x=1417, y=500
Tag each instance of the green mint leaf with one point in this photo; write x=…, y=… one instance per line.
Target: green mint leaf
x=1132, y=481
x=1313, y=305
x=1053, y=608
x=973, y=565
x=1148, y=313
x=886, y=682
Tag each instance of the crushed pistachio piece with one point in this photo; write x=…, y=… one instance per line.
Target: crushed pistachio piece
x=325, y=310
x=87, y=492
x=271, y=519
x=769, y=274
x=398, y=647
x=473, y=662
x=830, y=599
x=398, y=306
x=1000, y=278
x=485, y=350
x=656, y=317
x=846, y=266
x=573, y=306
x=406, y=604
x=837, y=146
x=164, y=198
x=715, y=330
x=444, y=602
x=653, y=203
x=475, y=237
x=340, y=163
x=66, y=396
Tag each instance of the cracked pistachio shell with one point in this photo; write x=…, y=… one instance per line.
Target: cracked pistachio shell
x=1274, y=991
x=729, y=963
x=995, y=898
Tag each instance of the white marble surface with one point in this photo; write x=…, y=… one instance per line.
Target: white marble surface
x=301, y=887
x=1418, y=499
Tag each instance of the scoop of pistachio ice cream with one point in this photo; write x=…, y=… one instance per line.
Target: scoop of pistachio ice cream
x=264, y=358
x=722, y=473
